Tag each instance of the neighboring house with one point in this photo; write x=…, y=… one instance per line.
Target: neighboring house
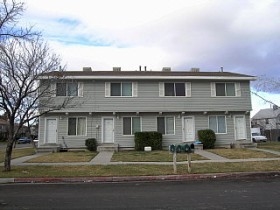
x=268, y=120
x=111, y=105
x=3, y=129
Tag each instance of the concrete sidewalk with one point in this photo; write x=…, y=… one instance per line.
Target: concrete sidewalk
x=104, y=158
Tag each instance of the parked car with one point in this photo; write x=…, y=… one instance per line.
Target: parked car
x=24, y=140
x=257, y=137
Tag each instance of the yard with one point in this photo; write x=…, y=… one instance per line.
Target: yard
x=142, y=169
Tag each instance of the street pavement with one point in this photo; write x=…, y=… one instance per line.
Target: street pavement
x=104, y=158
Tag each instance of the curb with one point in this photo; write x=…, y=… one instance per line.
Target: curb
x=187, y=177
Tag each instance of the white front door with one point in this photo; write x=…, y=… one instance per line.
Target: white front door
x=240, y=127
x=108, y=130
x=51, y=131
x=188, y=129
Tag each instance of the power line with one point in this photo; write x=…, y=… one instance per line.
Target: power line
x=264, y=99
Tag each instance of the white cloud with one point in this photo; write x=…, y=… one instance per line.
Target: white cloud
x=240, y=35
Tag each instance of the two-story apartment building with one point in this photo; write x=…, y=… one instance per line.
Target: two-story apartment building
x=111, y=105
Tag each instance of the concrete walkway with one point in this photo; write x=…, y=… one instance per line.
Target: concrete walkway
x=104, y=158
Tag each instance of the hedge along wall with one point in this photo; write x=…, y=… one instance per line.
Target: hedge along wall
x=148, y=139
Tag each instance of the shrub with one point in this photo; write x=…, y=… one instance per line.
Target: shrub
x=207, y=137
x=145, y=139
x=91, y=144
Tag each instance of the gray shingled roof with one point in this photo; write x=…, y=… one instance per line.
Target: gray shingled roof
x=146, y=73
x=266, y=113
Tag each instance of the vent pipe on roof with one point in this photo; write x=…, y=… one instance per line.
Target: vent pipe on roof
x=117, y=68
x=222, y=69
x=87, y=69
x=145, y=67
x=139, y=68
x=195, y=69
x=166, y=69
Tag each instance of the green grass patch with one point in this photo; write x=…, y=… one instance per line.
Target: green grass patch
x=17, y=153
x=153, y=156
x=273, y=145
x=137, y=170
x=64, y=157
x=242, y=153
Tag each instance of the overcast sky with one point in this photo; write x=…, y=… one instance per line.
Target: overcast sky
x=243, y=36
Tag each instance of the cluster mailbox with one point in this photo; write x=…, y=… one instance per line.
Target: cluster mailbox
x=183, y=147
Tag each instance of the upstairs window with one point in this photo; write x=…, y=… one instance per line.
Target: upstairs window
x=166, y=125
x=220, y=89
x=131, y=125
x=175, y=89
x=69, y=89
x=120, y=89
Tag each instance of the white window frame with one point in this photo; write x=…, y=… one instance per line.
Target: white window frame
x=134, y=92
x=236, y=87
x=80, y=90
x=188, y=89
x=77, y=117
x=216, y=116
x=131, y=125
x=165, y=124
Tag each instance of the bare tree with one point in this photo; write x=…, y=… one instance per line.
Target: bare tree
x=22, y=63
x=10, y=12
x=267, y=84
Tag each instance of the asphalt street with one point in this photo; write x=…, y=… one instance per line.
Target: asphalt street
x=203, y=194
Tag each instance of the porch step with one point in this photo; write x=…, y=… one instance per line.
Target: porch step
x=108, y=147
x=48, y=148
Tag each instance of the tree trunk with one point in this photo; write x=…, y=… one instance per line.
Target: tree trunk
x=8, y=154
x=9, y=148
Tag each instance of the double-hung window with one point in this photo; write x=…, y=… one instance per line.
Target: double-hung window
x=69, y=89
x=225, y=89
x=218, y=123
x=77, y=126
x=166, y=125
x=131, y=125
x=175, y=89
x=121, y=89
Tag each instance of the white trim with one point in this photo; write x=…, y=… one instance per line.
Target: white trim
x=103, y=127
x=188, y=89
x=80, y=89
x=74, y=116
x=217, y=115
x=237, y=89
x=235, y=127
x=165, y=124
x=107, y=89
x=131, y=124
x=134, y=89
x=45, y=128
x=183, y=128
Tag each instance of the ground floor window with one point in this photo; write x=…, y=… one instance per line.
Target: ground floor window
x=217, y=124
x=166, y=125
x=76, y=126
x=131, y=125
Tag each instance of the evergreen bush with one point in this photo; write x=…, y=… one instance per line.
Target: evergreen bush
x=148, y=139
x=207, y=138
x=91, y=144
